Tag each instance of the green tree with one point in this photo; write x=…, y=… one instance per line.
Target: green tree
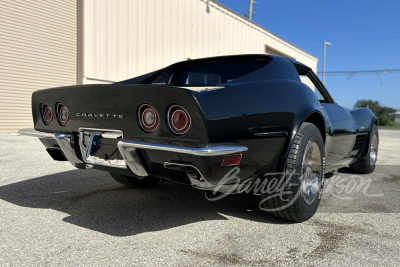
x=384, y=120
x=375, y=106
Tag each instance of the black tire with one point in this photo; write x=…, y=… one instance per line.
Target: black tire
x=365, y=165
x=134, y=182
x=292, y=206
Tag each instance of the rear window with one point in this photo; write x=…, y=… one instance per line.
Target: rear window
x=205, y=73
x=216, y=73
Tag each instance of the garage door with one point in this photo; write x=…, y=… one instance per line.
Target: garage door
x=37, y=51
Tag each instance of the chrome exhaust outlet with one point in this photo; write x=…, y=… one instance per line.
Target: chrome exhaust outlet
x=196, y=178
x=193, y=174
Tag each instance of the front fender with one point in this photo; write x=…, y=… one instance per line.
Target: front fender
x=364, y=119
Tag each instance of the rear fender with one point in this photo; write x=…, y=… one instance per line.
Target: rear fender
x=245, y=113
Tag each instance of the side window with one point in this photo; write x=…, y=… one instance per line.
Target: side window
x=306, y=80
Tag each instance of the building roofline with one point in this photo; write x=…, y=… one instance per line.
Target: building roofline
x=259, y=26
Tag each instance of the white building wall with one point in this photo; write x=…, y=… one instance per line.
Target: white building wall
x=127, y=38
x=37, y=51
x=47, y=44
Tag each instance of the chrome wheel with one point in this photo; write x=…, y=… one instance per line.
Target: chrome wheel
x=311, y=173
x=373, y=154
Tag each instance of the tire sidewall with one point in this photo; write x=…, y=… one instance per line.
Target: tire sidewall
x=313, y=135
x=371, y=167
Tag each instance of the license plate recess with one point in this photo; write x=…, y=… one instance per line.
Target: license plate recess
x=99, y=147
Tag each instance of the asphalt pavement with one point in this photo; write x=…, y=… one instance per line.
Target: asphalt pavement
x=54, y=215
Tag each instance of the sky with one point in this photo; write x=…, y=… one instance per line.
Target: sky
x=308, y=23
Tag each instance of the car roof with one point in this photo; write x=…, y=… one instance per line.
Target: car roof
x=222, y=58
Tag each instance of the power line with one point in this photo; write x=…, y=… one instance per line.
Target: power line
x=300, y=4
x=351, y=73
x=387, y=71
x=353, y=39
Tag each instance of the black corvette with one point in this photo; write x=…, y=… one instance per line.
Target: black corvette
x=193, y=121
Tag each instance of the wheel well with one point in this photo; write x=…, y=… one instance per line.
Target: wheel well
x=317, y=119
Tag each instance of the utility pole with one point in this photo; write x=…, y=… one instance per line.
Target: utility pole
x=251, y=2
x=323, y=67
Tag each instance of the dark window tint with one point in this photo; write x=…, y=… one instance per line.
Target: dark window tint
x=212, y=74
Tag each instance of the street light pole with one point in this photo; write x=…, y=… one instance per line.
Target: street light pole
x=323, y=68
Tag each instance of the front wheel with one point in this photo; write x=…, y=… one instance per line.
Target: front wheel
x=134, y=182
x=299, y=197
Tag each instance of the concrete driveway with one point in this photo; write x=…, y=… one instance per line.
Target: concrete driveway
x=52, y=214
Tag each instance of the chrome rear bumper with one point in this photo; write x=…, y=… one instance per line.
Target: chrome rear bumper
x=128, y=148
x=185, y=148
x=64, y=140
x=33, y=133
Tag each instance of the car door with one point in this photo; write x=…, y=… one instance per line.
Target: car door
x=339, y=124
x=340, y=132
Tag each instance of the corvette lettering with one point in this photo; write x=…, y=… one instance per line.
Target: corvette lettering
x=116, y=116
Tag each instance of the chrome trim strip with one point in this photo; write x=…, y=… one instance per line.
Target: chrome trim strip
x=216, y=149
x=272, y=134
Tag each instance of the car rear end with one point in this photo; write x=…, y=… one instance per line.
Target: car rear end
x=191, y=122
x=134, y=130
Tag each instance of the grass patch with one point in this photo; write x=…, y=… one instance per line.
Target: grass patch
x=390, y=127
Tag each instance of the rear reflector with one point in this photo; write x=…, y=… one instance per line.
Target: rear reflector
x=231, y=160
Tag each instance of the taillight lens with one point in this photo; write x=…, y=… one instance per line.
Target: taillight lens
x=148, y=118
x=63, y=114
x=178, y=120
x=47, y=113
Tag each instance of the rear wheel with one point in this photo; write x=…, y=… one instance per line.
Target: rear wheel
x=367, y=165
x=301, y=191
x=134, y=182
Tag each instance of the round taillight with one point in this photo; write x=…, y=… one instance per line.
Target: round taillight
x=47, y=113
x=63, y=114
x=148, y=118
x=178, y=120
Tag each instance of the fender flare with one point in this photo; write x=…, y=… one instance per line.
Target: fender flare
x=313, y=114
